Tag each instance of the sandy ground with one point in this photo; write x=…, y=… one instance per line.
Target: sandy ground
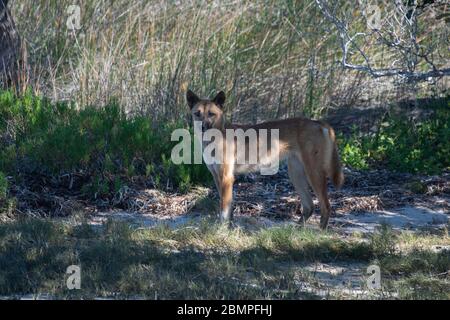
x=346, y=280
x=367, y=201
x=403, y=218
x=340, y=279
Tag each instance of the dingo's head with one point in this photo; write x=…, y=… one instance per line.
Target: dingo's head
x=209, y=112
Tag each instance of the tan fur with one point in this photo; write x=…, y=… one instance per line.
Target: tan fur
x=308, y=146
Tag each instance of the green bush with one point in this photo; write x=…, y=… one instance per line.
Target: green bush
x=36, y=135
x=353, y=153
x=403, y=144
x=3, y=186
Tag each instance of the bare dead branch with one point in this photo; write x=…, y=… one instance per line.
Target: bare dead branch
x=404, y=42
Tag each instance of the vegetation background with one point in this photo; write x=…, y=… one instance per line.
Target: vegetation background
x=97, y=98
x=91, y=114
x=274, y=59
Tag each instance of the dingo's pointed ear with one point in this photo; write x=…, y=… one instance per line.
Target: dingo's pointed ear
x=191, y=98
x=220, y=99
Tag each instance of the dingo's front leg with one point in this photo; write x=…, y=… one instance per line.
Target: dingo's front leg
x=226, y=178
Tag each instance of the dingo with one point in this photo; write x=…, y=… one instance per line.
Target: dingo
x=308, y=146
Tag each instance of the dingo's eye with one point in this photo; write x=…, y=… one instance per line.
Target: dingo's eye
x=211, y=114
x=198, y=114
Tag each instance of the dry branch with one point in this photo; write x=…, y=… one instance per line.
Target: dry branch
x=405, y=43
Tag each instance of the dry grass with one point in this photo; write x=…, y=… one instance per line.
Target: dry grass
x=207, y=261
x=274, y=59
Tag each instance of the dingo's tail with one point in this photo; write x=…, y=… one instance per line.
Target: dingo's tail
x=334, y=167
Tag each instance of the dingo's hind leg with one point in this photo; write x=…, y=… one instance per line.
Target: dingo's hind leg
x=298, y=178
x=317, y=178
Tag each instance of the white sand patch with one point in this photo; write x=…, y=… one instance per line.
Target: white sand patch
x=405, y=218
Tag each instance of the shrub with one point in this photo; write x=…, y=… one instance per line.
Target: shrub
x=403, y=144
x=102, y=141
x=3, y=186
